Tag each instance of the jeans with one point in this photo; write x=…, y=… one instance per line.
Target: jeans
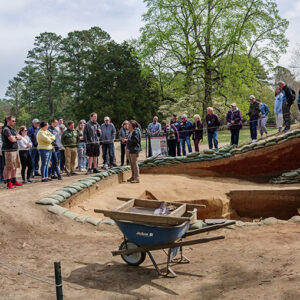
x=235, y=136
x=212, y=138
x=54, y=163
x=62, y=160
x=34, y=153
x=123, y=154
x=172, y=147
x=111, y=151
x=26, y=162
x=45, y=157
x=253, y=129
x=81, y=153
x=1, y=166
x=188, y=142
x=286, y=115
x=178, y=148
x=262, y=122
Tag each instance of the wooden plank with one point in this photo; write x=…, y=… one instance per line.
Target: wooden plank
x=188, y=205
x=142, y=218
x=148, y=203
x=179, y=211
x=125, y=206
x=165, y=246
x=209, y=228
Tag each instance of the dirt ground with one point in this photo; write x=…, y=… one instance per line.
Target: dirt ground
x=251, y=263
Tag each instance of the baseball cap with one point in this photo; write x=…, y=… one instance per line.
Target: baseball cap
x=174, y=115
x=233, y=104
x=35, y=121
x=106, y=119
x=251, y=97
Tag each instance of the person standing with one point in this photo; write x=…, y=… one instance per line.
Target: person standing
x=123, y=135
x=24, y=145
x=234, y=122
x=288, y=99
x=263, y=118
x=197, y=131
x=61, y=157
x=81, y=150
x=44, y=139
x=253, y=113
x=10, y=139
x=60, y=122
x=134, y=148
x=278, y=108
x=298, y=100
x=185, y=132
x=55, y=152
x=34, y=152
x=172, y=137
x=213, y=123
x=153, y=129
x=1, y=156
x=70, y=140
x=174, y=121
x=91, y=135
x=108, y=135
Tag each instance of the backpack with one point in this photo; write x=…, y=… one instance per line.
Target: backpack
x=291, y=96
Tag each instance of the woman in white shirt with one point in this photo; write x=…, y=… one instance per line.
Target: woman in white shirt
x=24, y=146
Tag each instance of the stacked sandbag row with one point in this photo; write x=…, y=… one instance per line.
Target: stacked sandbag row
x=206, y=155
x=287, y=177
x=66, y=192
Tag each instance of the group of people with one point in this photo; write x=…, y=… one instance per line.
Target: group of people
x=57, y=147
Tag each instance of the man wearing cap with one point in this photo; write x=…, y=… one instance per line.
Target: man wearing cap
x=153, y=129
x=253, y=113
x=1, y=156
x=174, y=121
x=108, y=135
x=234, y=122
x=287, y=101
x=34, y=153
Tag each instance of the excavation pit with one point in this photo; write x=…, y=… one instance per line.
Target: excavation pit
x=224, y=197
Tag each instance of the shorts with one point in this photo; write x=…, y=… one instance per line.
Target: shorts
x=92, y=150
x=12, y=160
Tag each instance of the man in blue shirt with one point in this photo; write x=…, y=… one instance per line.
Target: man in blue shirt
x=298, y=100
x=263, y=118
x=153, y=129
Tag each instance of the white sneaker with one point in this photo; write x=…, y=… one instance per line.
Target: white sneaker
x=253, y=141
x=82, y=170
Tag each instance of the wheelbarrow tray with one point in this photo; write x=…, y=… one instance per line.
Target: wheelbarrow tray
x=145, y=234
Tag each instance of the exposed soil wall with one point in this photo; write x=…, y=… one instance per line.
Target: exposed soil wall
x=258, y=165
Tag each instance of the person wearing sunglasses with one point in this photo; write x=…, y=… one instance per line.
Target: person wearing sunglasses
x=24, y=145
x=10, y=139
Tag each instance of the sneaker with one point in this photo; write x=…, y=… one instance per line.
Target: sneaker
x=45, y=180
x=54, y=177
x=49, y=179
x=17, y=184
x=59, y=178
x=24, y=182
x=286, y=130
x=10, y=185
x=73, y=174
x=96, y=171
x=29, y=181
x=130, y=179
x=31, y=176
x=135, y=181
x=253, y=141
x=105, y=167
x=89, y=171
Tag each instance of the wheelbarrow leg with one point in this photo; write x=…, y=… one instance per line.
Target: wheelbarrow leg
x=154, y=263
x=168, y=269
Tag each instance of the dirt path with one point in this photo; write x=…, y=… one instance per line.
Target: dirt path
x=251, y=263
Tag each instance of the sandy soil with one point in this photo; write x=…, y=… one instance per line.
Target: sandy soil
x=251, y=263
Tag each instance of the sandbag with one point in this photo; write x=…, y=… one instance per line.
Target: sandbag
x=71, y=215
x=56, y=197
x=208, y=151
x=92, y=178
x=58, y=210
x=70, y=190
x=271, y=144
x=47, y=201
x=75, y=186
x=192, y=154
x=87, y=182
x=63, y=193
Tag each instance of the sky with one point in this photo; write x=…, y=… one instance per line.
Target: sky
x=22, y=20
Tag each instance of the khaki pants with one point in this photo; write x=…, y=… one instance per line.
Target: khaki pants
x=70, y=154
x=133, y=159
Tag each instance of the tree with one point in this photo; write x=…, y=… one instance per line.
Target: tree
x=44, y=57
x=192, y=37
x=14, y=93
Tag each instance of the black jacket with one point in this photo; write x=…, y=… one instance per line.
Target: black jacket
x=134, y=141
x=213, y=122
x=254, y=110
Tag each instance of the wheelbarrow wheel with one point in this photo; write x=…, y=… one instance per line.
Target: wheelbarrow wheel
x=133, y=259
